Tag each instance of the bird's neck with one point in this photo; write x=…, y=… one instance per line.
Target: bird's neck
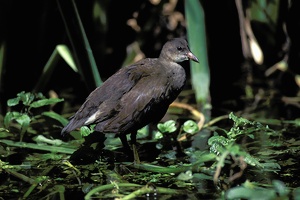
x=175, y=73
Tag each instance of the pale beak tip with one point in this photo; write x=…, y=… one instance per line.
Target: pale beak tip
x=191, y=56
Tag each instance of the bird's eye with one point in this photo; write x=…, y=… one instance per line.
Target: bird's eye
x=179, y=48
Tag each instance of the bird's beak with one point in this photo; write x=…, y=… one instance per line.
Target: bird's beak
x=191, y=56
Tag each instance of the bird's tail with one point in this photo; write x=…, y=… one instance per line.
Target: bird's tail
x=68, y=128
x=72, y=125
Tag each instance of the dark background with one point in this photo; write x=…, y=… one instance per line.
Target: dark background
x=32, y=29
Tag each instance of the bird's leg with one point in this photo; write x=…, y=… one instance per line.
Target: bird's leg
x=124, y=141
x=127, y=148
x=133, y=143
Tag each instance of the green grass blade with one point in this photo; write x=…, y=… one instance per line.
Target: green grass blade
x=66, y=54
x=40, y=147
x=200, y=74
x=83, y=54
x=93, y=65
x=47, y=71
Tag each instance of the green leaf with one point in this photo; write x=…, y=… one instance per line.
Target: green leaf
x=85, y=131
x=265, y=12
x=251, y=194
x=201, y=176
x=167, y=127
x=38, y=146
x=57, y=117
x=27, y=97
x=13, y=102
x=45, y=102
x=66, y=54
x=296, y=193
x=218, y=139
x=280, y=188
x=239, y=121
x=4, y=133
x=9, y=117
x=24, y=120
x=190, y=127
x=185, y=176
x=196, y=33
x=51, y=156
x=158, y=135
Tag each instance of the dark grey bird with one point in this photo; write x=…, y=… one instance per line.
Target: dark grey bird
x=136, y=95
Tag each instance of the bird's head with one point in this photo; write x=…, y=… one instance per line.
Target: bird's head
x=177, y=50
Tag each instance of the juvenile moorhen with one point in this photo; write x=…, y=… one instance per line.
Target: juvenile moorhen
x=135, y=95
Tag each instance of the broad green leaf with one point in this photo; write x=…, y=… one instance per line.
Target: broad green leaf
x=24, y=120
x=13, y=102
x=167, y=127
x=196, y=33
x=190, y=127
x=45, y=102
x=158, y=135
x=9, y=117
x=85, y=131
x=27, y=97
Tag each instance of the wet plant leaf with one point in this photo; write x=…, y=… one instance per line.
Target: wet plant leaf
x=190, y=127
x=167, y=127
x=85, y=131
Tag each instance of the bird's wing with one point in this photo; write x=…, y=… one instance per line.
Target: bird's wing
x=101, y=104
x=147, y=101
